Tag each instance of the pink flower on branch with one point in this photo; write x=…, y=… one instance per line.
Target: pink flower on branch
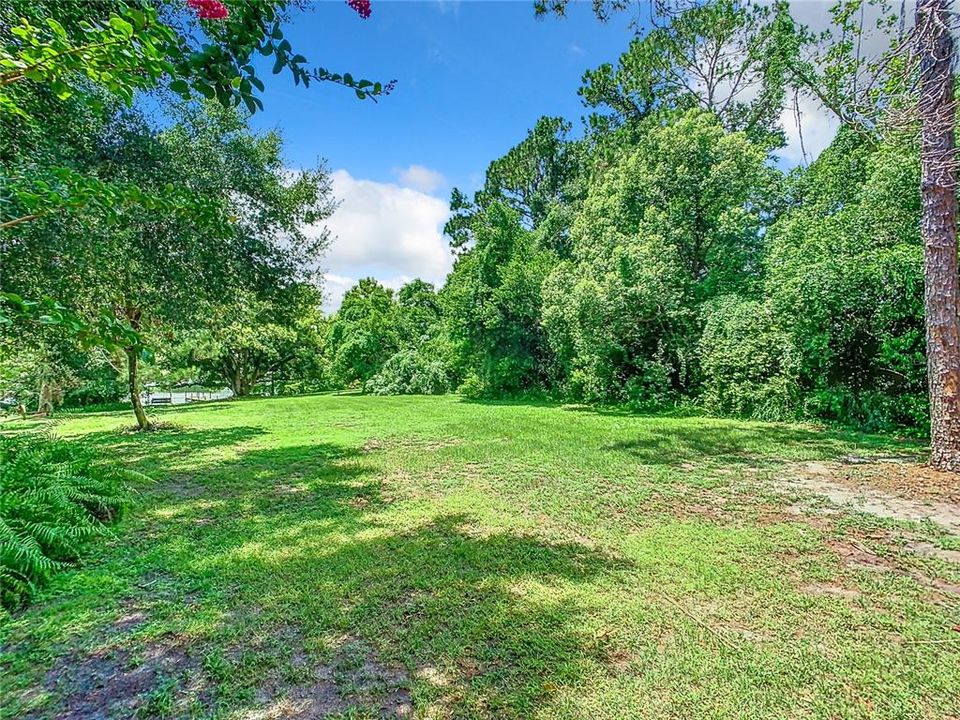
x=362, y=7
x=209, y=9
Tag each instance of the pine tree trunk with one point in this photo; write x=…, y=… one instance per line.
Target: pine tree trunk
x=134, y=387
x=939, y=231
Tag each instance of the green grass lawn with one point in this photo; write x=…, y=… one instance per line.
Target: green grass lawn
x=347, y=556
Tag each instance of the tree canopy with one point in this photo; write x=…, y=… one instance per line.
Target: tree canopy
x=656, y=256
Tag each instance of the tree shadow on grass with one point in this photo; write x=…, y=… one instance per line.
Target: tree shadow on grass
x=158, y=566
x=156, y=452
x=318, y=480
x=490, y=618
x=750, y=445
x=285, y=548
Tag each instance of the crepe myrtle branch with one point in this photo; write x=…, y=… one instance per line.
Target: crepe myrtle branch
x=284, y=57
x=275, y=44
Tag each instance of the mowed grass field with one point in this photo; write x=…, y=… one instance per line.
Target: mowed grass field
x=353, y=557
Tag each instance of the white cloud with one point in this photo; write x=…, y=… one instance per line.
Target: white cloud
x=334, y=288
x=382, y=230
x=420, y=178
x=816, y=125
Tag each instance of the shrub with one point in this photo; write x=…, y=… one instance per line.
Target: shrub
x=473, y=387
x=649, y=390
x=877, y=410
x=749, y=364
x=54, y=496
x=98, y=385
x=409, y=373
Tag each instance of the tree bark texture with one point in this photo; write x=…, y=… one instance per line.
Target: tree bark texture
x=938, y=191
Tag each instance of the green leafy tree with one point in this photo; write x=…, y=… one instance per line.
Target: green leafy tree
x=64, y=67
x=410, y=372
x=726, y=57
x=749, y=362
x=530, y=179
x=705, y=191
x=911, y=78
x=42, y=367
x=364, y=333
x=419, y=311
x=844, y=272
x=619, y=321
x=862, y=67
x=158, y=272
x=677, y=221
x=250, y=338
x=492, y=303
x=120, y=50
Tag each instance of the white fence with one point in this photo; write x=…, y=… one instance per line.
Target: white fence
x=182, y=398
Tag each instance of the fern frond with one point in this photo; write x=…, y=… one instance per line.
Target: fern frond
x=54, y=496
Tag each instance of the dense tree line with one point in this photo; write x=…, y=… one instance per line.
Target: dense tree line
x=664, y=258
x=679, y=266
x=659, y=257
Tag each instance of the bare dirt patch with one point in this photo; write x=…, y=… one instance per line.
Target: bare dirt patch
x=928, y=549
x=353, y=679
x=719, y=508
x=905, y=477
x=892, y=489
x=170, y=676
x=113, y=682
x=129, y=621
x=856, y=555
x=830, y=589
x=795, y=513
x=702, y=504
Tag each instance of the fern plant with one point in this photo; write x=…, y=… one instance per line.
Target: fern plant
x=54, y=496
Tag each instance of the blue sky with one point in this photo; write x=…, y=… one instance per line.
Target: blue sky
x=472, y=78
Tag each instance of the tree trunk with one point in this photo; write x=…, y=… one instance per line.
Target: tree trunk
x=238, y=383
x=232, y=371
x=938, y=190
x=45, y=399
x=134, y=387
